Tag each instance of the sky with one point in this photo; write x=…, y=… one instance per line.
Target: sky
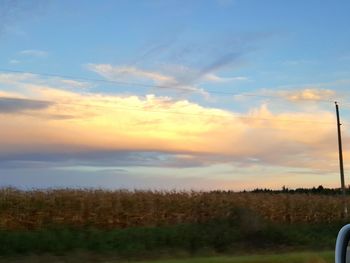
x=165, y=94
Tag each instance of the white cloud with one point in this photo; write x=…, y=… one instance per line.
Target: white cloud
x=215, y=78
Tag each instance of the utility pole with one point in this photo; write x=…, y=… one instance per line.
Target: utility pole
x=341, y=163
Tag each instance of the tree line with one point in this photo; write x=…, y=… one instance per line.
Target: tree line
x=314, y=190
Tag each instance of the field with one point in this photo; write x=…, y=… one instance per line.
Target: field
x=137, y=225
x=121, y=209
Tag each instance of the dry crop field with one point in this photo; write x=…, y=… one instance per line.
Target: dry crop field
x=119, y=209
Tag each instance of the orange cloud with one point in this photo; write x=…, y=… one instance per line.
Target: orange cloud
x=314, y=94
x=82, y=122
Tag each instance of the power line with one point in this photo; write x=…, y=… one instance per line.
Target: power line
x=136, y=84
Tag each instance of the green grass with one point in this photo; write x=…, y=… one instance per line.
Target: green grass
x=192, y=239
x=296, y=257
x=242, y=233
x=303, y=257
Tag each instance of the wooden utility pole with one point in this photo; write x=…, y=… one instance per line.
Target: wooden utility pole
x=341, y=163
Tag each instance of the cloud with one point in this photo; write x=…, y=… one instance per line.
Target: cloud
x=315, y=94
x=155, y=49
x=215, y=78
x=220, y=62
x=100, y=160
x=89, y=177
x=208, y=72
x=135, y=74
x=179, y=133
x=71, y=83
x=205, y=65
x=21, y=81
x=295, y=94
x=298, y=62
x=115, y=73
x=127, y=130
x=12, y=105
x=179, y=78
x=34, y=53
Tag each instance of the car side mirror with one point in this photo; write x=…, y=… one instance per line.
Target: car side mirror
x=342, y=248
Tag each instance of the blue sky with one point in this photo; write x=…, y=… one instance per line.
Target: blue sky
x=198, y=59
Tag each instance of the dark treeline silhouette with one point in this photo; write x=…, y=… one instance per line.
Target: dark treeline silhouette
x=314, y=190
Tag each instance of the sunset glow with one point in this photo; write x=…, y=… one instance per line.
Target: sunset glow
x=132, y=110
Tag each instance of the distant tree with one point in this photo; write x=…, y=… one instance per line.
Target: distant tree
x=284, y=189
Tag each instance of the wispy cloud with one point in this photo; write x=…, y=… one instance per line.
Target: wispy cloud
x=70, y=83
x=19, y=80
x=314, y=94
x=210, y=70
x=115, y=73
x=126, y=73
x=215, y=78
x=184, y=67
x=178, y=78
x=311, y=94
x=219, y=63
x=298, y=62
x=34, y=53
